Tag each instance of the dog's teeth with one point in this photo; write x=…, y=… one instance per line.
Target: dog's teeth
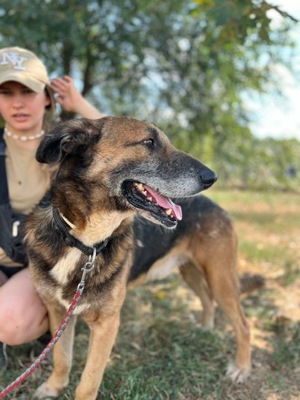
x=140, y=186
x=169, y=211
x=150, y=198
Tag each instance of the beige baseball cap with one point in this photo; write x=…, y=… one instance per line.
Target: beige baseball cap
x=23, y=66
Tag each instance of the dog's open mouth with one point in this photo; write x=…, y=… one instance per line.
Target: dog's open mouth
x=160, y=207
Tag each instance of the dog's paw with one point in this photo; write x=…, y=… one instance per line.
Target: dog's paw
x=45, y=391
x=208, y=325
x=237, y=374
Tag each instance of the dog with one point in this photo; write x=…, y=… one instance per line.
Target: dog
x=110, y=202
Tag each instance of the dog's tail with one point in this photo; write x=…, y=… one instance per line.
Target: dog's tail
x=248, y=283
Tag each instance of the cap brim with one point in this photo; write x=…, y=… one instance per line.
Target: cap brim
x=33, y=84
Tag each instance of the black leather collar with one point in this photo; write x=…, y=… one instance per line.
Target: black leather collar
x=72, y=241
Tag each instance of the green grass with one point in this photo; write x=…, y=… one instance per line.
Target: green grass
x=261, y=217
x=161, y=353
x=259, y=254
x=251, y=198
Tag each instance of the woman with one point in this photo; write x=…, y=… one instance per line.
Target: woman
x=26, y=101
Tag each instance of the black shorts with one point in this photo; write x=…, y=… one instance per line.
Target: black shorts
x=10, y=271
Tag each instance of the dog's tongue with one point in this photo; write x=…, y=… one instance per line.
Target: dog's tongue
x=165, y=202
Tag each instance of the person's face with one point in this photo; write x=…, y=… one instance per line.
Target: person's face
x=21, y=108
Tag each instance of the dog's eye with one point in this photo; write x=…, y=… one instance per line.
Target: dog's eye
x=149, y=142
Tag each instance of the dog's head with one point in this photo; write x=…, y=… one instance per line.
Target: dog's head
x=130, y=161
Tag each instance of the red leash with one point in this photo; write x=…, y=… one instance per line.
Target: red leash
x=89, y=266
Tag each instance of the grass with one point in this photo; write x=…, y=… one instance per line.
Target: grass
x=161, y=353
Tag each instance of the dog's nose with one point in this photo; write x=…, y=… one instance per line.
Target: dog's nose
x=208, y=178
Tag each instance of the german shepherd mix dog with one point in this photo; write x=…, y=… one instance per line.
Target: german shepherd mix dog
x=115, y=174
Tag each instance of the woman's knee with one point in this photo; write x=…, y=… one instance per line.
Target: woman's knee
x=23, y=316
x=13, y=325
x=19, y=326
x=9, y=331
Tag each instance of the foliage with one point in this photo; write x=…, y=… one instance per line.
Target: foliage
x=183, y=64
x=261, y=164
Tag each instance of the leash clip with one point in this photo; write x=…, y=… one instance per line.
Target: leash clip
x=88, y=267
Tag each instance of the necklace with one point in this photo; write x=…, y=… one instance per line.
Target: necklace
x=23, y=138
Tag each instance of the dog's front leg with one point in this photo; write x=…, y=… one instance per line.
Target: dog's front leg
x=103, y=334
x=62, y=355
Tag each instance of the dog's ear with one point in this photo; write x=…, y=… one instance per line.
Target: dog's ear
x=70, y=137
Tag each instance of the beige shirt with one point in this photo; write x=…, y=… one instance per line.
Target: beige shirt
x=27, y=180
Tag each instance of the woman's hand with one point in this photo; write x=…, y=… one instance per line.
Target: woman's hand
x=71, y=100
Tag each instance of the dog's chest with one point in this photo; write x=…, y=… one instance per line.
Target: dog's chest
x=104, y=282
x=66, y=267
